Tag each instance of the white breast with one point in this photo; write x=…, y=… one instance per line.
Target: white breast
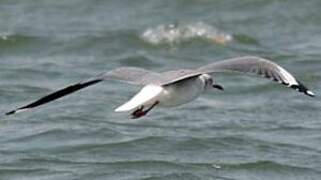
x=169, y=95
x=181, y=92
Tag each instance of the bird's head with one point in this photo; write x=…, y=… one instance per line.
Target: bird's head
x=208, y=81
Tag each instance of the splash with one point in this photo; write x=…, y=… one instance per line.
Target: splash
x=177, y=33
x=4, y=36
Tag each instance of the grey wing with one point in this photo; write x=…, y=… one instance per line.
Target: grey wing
x=170, y=77
x=133, y=75
x=127, y=74
x=258, y=66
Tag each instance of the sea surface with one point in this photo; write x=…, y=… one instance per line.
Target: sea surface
x=253, y=130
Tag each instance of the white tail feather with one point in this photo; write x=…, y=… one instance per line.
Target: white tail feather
x=148, y=93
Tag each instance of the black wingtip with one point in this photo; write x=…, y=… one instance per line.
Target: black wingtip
x=301, y=88
x=10, y=112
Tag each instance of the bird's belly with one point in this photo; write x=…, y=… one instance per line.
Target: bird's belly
x=179, y=94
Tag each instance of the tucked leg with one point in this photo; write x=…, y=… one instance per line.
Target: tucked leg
x=138, y=113
x=141, y=112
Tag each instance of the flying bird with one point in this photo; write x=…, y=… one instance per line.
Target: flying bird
x=177, y=87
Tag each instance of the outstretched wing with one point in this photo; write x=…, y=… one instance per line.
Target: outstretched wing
x=130, y=75
x=247, y=64
x=259, y=66
x=170, y=77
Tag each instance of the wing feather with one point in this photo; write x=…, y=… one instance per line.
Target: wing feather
x=127, y=74
x=132, y=75
x=247, y=65
x=258, y=66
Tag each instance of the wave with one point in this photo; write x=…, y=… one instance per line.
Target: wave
x=176, y=33
x=178, y=175
x=174, y=168
x=12, y=40
x=266, y=165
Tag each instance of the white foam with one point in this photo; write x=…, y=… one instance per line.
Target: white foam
x=4, y=37
x=177, y=33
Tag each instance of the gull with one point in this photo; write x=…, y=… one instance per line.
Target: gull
x=177, y=87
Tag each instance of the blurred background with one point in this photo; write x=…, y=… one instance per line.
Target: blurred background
x=255, y=129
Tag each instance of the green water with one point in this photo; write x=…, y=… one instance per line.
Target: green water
x=255, y=129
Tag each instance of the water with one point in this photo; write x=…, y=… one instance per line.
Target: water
x=253, y=130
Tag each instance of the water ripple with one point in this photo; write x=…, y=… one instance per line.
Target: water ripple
x=14, y=40
x=268, y=166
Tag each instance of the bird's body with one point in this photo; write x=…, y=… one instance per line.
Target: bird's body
x=174, y=88
x=169, y=95
x=182, y=92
